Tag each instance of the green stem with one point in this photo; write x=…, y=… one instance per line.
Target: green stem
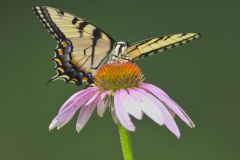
x=125, y=140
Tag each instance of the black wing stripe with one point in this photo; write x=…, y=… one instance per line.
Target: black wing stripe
x=145, y=41
x=96, y=36
x=82, y=25
x=155, y=41
x=75, y=20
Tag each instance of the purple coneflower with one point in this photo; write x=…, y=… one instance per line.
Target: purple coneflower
x=120, y=88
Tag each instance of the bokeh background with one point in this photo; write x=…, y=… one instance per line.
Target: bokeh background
x=202, y=76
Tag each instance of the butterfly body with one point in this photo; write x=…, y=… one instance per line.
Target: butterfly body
x=118, y=54
x=83, y=48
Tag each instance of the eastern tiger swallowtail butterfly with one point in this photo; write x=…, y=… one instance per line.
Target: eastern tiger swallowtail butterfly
x=82, y=47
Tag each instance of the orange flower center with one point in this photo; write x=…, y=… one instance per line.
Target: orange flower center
x=115, y=76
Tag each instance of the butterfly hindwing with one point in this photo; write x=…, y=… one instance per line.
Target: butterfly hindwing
x=155, y=45
x=65, y=69
x=82, y=47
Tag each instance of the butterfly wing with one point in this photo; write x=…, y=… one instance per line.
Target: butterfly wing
x=82, y=47
x=151, y=46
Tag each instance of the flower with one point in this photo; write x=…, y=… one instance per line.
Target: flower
x=120, y=87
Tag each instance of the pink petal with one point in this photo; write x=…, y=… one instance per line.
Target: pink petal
x=163, y=97
x=148, y=85
x=85, y=97
x=93, y=98
x=77, y=101
x=60, y=120
x=168, y=119
x=69, y=108
x=84, y=115
x=114, y=116
x=102, y=105
x=122, y=114
x=65, y=118
x=77, y=96
x=148, y=106
x=130, y=104
x=86, y=112
x=53, y=124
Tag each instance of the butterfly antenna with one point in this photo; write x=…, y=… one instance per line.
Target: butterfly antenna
x=140, y=37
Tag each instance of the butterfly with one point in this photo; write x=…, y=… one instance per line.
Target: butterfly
x=83, y=48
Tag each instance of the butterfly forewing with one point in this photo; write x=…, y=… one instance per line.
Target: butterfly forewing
x=82, y=46
x=154, y=45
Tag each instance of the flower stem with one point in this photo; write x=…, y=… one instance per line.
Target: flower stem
x=125, y=140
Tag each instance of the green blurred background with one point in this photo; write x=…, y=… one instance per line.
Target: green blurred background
x=202, y=76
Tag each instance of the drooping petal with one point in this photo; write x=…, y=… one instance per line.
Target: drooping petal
x=163, y=97
x=60, y=120
x=71, y=99
x=122, y=114
x=53, y=124
x=148, y=85
x=65, y=118
x=84, y=115
x=130, y=104
x=84, y=97
x=70, y=107
x=86, y=112
x=148, y=107
x=167, y=117
x=114, y=116
x=79, y=98
x=93, y=98
x=102, y=105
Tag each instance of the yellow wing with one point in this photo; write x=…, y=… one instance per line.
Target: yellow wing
x=155, y=45
x=82, y=47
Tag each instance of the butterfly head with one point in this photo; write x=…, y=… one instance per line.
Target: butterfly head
x=118, y=53
x=120, y=48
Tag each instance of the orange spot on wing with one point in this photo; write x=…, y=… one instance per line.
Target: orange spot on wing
x=85, y=79
x=64, y=44
x=60, y=51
